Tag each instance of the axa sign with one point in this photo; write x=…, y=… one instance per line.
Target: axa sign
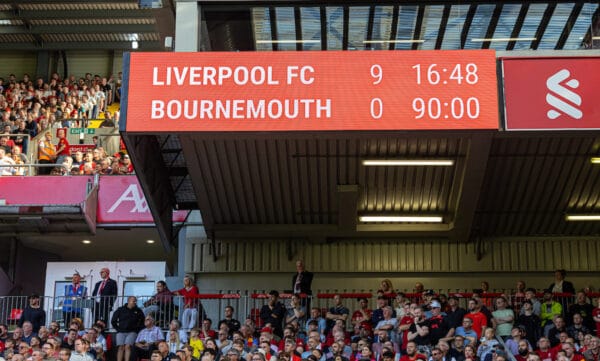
x=121, y=200
x=551, y=93
x=133, y=198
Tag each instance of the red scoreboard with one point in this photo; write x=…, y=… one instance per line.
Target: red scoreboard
x=311, y=91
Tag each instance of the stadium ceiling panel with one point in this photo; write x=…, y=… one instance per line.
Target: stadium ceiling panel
x=416, y=25
x=97, y=24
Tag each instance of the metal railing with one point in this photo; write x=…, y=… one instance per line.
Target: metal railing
x=246, y=306
x=29, y=167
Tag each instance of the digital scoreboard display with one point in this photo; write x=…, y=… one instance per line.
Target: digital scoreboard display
x=311, y=91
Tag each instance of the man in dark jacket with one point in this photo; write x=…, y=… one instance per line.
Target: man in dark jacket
x=34, y=314
x=128, y=320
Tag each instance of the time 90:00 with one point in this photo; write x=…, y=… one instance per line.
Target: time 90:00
x=457, y=108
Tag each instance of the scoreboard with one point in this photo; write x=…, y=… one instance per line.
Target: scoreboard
x=311, y=91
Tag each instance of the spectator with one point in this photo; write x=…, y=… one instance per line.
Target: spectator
x=128, y=320
x=232, y=324
x=81, y=351
x=7, y=163
x=191, y=304
x=175, y=327
x=584, y=309
x=46, y=153
x=273, y=313
x=503, y=318
x=73, y=292
x=147, y=339
x=106, y=292
x=63, y=149
x=530, y=322
x=560, y=285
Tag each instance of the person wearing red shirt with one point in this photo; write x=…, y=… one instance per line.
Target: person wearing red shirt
x=411, y=353
x=596, y=317
x=405, y=323
x=544, y=350
x=63, y=149
x=190, y=303
x=362, y=316
x=478, y=318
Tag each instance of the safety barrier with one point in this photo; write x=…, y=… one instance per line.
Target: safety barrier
x=246, y=306
x=15, y=168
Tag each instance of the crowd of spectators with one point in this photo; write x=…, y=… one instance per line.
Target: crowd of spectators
x=424, y=326
x=44, y=108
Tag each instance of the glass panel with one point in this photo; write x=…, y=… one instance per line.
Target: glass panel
x=357, y=27
x=456, y=22
x=382, y=25
x=335, y=27
x=286, y=28
x=262, y=28
x=530, y=25
x=431, y=26
x=138, y=288
x=556, y=25
x=581, y=27
x=506, y=24
x=479, y=26
x=406, y=26
x=311, y=27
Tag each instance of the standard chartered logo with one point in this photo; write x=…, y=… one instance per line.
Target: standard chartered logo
x=562, y=98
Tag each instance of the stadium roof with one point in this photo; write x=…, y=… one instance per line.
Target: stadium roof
x=97, y=24
x=401, y=25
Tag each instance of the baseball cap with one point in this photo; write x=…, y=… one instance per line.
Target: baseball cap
x=435, y=304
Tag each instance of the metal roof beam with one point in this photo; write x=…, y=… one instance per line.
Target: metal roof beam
x=492, y=26
x=467, y=26
x=543, y=26
x=394, y=27
x=418, y=25
x=78, y=28
x=155, y=182
x=45, y=2
x=298, y=27
x=113, y=45
x=443, y=25
x=569, y=26
x=79, y=14
x=471, y=182
x=518, y=26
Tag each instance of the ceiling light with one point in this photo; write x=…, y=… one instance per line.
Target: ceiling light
x=595, y=160
x=288, y=41
x=134, y=44
x=86, y=241
x=397, y=41
x=408, y=162
x=583, y=217
x=595, y=37
x=150, y=241
x=479, y=40
x=401, y=219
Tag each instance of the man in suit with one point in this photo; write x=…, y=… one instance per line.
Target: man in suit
x=560, y=285
x=105, y=292
x=301, y=283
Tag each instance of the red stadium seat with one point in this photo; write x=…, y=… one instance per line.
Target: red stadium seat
x=15, y=315
x=255, y=316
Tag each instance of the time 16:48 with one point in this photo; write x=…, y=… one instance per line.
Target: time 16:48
x=437, y=74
